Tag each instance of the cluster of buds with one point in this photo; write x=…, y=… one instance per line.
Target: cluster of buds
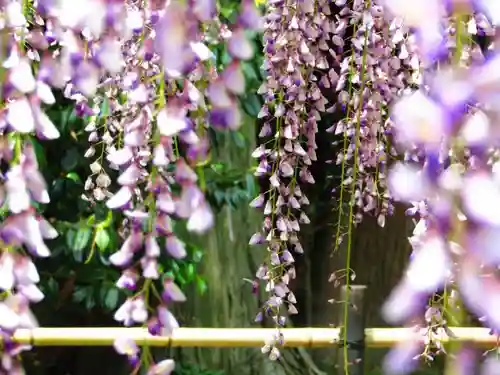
x=378, y=65
x=298, y=47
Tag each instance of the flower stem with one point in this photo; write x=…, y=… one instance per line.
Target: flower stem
x=353, y=191
x=454, y=311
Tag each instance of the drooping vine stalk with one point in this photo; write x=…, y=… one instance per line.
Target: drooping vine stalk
x=377, y=69
x=354, y=173
x=454, y=311
x=342, y=156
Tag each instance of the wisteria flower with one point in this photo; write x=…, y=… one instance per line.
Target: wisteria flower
x=127, y=347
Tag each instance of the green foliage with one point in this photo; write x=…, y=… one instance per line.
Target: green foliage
x=185, y=270
x=79, y=272
x=251, y=102
x=187, y=369
x=228, y=186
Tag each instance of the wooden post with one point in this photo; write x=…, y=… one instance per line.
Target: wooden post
x=355, y=330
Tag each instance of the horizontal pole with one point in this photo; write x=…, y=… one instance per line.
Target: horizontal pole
x=232, y=337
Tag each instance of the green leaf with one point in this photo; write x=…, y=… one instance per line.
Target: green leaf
x=250, y=185
x=239, y=139
x=161, y=268
x=57, y=188
x=78, y=255
x=58, y=250
x=180, y=280
x=201, y=285
x=89, y=300
x=4, y=210
x=66, y=117
x=175, y=267
x=52, y=287
x=217, y=167
x=102, y=213
x=77, y=240
x=39, y=153
x=102, y=239
x=91, y=220
x=70, y=159
x=79, y=294
x=104, y=112
x=251, y=104
x=114, y=239
x=73, y=176
x=226, y=12
x=169, y=274
x=226, y=57
x=197, y=256
x=219, y=196
x=190, y=272
x=111, y=300
x=104, y=259
x=249, y=71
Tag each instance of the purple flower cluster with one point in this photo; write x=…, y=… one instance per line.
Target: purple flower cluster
x=296, y=39
x=23, y=232
x=379, y=67
x=311, y=50
x=446, y=128
x=144, y=74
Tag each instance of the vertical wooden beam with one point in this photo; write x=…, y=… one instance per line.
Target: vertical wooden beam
x=355, y=330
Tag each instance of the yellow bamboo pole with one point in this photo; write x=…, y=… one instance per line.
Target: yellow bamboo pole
x=232, y=337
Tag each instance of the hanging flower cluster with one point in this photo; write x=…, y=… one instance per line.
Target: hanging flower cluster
x=381, y=64
x=297, y=47
x=159, y=114
x=23, y=232
x=144, y=74
x=449, y=127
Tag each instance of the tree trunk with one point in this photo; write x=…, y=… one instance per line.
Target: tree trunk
x=229, y=301
x=228, y=261
x=379, y=258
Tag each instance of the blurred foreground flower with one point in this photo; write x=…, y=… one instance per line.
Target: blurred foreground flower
x=450, y=126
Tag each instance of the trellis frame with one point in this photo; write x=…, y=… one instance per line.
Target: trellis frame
x=234, y=337
x=356, y=336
